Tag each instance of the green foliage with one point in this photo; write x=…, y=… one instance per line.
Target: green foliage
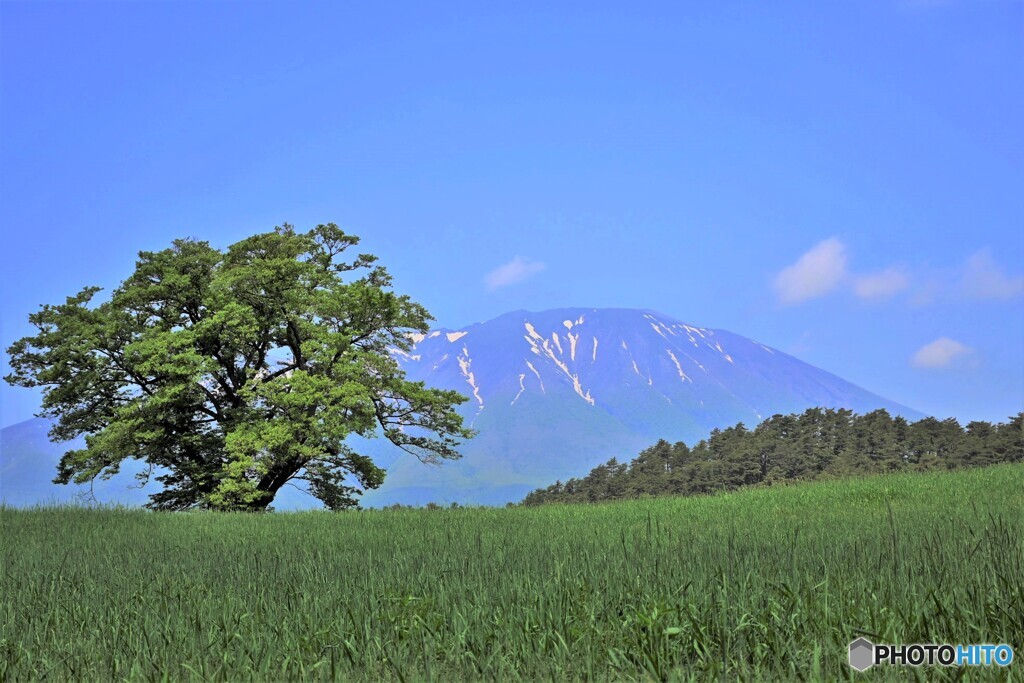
x=765, y=584
x=819, y=444
x=238, y=371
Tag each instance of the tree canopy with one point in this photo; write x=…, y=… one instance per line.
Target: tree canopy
x=816, y=444
x=238, y=371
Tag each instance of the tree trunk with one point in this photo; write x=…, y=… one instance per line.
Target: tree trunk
x=271, y=482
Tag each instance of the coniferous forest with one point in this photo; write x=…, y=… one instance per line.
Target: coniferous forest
x=818, y=444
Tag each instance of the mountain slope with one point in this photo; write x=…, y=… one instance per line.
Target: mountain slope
x=551, y=395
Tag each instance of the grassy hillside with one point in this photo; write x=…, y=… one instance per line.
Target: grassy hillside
x=762, y=584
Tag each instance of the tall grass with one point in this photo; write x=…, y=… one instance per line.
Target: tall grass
x=759, y=585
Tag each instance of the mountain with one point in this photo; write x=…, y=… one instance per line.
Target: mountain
x=552, y=394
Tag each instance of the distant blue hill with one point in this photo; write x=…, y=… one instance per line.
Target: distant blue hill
x=552, y=394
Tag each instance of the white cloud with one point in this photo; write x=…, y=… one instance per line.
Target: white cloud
x=815, y=274
x=939, y=354
x=516, y=270
x=984, y=279
x=880, y=285
x=823, y=269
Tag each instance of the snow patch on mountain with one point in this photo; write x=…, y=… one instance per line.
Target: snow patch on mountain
x=465, y=365
x=404, y=354
x=534, y=370
x=679, y=368
x=573, y=338
x=579, y=390
x=576, y=385
x=522, y=388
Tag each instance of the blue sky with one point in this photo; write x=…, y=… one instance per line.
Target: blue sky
x=843, y=181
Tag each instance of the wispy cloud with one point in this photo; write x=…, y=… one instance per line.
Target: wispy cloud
x=881, y=285
x=823, y=269
x=516, y=270
x=983, y=278
x=939, y=354
x=815, y=274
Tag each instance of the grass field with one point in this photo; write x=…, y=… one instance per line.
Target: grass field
x=766, y=584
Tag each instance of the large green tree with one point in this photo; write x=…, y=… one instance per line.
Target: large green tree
x=237, y=371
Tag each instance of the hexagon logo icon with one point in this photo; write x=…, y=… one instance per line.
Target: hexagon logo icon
x=862, y=654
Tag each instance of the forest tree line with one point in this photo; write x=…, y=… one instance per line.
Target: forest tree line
x=820, y=443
